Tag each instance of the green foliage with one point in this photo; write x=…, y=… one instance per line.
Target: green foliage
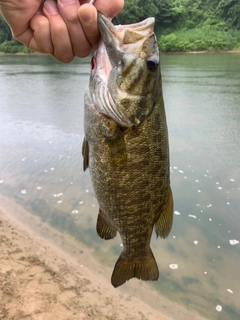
x=199, y=39
x=136, y=10
x=230, y=11
x=189, y=25
x=5, y=32
x=13, y=46
x=7, y=43
x=181, y=25
x=166, y=12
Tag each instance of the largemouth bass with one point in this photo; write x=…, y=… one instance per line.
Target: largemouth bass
x=126, y=145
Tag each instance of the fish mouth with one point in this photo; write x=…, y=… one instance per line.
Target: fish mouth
x=116, y=42
x=117, y=38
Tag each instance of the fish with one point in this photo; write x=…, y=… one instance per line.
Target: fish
x=126, y=145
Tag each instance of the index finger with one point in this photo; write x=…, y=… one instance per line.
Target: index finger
x=110, y=8
x=69, y=12
x=88, y=17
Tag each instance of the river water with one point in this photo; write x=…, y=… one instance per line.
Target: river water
x=41, y=132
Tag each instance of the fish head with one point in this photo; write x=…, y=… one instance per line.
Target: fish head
x=127, y=65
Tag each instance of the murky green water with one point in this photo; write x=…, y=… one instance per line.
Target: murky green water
x=41, y=131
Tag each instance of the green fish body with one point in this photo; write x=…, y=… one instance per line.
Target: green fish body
x=126, y=145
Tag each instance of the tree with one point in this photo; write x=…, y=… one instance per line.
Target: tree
x=7, y=43
x=230, y=11
x=166, y=12
x=5, y=31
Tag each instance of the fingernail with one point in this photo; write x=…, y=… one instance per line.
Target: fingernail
x=51, y=7
x=68, y=1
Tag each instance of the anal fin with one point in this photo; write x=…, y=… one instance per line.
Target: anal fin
x=143, y=268
x=104, y=229
x=164, y=224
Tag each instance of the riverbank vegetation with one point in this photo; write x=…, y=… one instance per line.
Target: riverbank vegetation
x=7, y=43
x=181, y=25
x=189, y=25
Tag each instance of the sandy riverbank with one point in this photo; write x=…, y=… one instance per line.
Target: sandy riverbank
x=40, y=281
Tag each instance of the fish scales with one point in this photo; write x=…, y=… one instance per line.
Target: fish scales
x=126, y=145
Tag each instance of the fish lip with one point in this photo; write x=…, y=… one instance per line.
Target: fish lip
x=113, y=36
x=108, y=35
x=139, y=26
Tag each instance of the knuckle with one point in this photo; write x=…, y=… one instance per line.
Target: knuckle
x=39, y=22
x=59, y=29
x=42, y=24
x=72, y=18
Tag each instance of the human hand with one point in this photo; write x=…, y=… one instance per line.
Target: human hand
x=62, y=28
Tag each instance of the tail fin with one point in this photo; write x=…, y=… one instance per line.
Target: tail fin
x=144, y=268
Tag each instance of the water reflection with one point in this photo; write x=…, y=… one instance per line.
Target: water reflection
x=41, y=131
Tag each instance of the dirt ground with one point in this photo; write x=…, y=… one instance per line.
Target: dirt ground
x=39, y=281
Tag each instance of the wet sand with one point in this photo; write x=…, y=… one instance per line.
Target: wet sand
x=44, y=275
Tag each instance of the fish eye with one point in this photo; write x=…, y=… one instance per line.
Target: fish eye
x=152, y=63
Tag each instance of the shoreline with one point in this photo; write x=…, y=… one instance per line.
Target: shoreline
x=200, y=52
x=2, y=54
x=44, y=273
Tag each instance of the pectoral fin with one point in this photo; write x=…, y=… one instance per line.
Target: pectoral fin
x=164, y=224
x=85, y=154
x=114, y=139
x=104, y=229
